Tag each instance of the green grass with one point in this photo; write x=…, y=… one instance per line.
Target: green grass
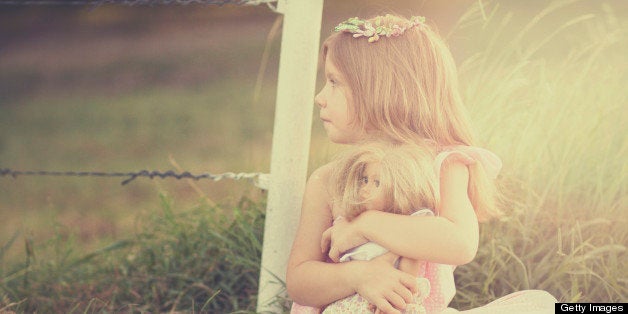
x=546, y=91
x=205, y=259
x=126, y=133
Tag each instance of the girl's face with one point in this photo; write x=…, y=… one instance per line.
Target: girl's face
x=371, y=192
x=336, y=111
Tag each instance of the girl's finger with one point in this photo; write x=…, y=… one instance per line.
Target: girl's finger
x=325, y=241
x=385, y=307
x=396, y=300
x=334, y=254
x=405, y=293
x=409, y=282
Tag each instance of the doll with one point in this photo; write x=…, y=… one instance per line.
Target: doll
x=398, y=179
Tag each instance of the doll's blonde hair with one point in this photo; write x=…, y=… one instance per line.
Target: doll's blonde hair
x=405, y=90
x=407, y=177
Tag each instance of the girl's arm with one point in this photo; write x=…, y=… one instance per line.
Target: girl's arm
x=450, y=238
x=313, y=282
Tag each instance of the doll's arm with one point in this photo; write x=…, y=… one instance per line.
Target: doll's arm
x=451, y=238
x=312, y=282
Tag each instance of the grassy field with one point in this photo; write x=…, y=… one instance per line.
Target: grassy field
x=118, y=95
x=126, y=89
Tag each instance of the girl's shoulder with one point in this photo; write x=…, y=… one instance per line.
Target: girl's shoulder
x=322, y=178
x=323, y=173
x=468, y=155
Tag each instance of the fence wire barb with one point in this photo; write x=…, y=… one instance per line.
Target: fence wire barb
x=260, y=180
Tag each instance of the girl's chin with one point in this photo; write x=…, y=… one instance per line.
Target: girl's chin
x=340, y=141
x=340, y=138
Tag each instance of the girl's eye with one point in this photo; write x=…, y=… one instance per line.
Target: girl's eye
x=332, y=83
x=376, y=183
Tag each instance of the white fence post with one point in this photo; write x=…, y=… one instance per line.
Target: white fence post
x=291, y=142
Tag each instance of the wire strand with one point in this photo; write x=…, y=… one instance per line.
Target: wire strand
x=259, y=179
x=132, y=2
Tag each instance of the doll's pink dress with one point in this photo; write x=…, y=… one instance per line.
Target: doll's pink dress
x=441, y=280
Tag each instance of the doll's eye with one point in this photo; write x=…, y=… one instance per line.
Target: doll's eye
x=376, y=183
x=364, y=180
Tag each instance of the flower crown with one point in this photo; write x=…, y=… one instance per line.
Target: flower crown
x=359, y=27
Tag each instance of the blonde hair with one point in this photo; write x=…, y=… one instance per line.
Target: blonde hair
x=407, y=177
x=405, y=90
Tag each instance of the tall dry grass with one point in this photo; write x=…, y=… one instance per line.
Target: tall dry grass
x=549, y=97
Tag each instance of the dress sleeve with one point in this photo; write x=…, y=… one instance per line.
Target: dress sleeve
x=469, y=155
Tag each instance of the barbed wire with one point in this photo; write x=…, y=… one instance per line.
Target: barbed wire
x=97, y=3
x=260, y=180
x=133, y=2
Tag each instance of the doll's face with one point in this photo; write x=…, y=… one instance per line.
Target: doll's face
x=371, y=192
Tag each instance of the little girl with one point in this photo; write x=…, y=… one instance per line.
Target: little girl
x=393, y=79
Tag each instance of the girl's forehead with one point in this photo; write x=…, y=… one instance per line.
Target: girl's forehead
x=330, y=68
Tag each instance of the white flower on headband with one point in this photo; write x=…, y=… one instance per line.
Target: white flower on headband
x=360, y=28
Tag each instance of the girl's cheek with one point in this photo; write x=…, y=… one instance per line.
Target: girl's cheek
x=326, y=91
x=330, y=91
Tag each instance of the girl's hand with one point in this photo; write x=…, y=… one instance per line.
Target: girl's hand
x=341, y=237
x=387, y=288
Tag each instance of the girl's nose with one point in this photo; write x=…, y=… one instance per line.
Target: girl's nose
x=318, y=99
